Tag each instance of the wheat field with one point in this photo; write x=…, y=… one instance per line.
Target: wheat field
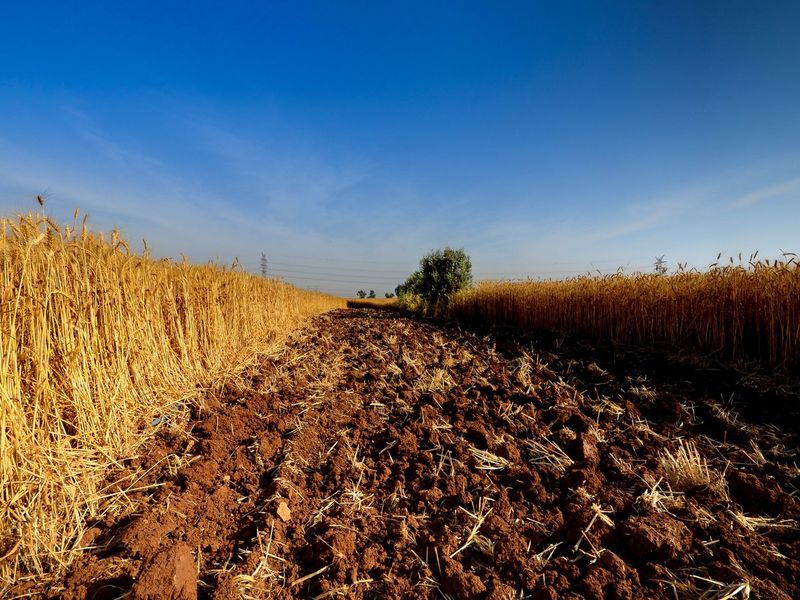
x=733, y=311
x=96, y=343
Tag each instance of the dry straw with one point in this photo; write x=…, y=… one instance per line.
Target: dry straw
x=96, y=341
x=735, y=311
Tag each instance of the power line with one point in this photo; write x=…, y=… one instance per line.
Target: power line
x=531, y=270
x=527, y=274
x=321, y=269
x=415, y=262
x=348, y=284
x=296, y=265
x=346, y=275
x=364, y=281
x=300, y=274
x=354, y=277
x=340, y=261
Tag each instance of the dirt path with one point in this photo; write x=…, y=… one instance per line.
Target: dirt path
x=382, y=457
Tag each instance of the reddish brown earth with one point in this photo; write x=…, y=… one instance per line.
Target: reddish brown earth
x=379, y=456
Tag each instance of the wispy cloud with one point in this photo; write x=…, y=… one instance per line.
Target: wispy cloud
x=677, y=207
x=242, y=193
x=281, y=182
x=639, y=219
x=769, y=192
x=287, y=203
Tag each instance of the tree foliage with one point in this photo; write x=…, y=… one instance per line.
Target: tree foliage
x=441, y=274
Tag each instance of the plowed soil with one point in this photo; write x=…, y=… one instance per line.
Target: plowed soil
x=379, y=456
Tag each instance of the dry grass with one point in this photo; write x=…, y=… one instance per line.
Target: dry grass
x=547, y=452
x=698, y=587
x=754, y=524
x=434, y=380
x=660, y=499
x=96, y=343
x=732, y=311
x=474, y=537
x=249, y=585
x=685, y=470
x=486, y=461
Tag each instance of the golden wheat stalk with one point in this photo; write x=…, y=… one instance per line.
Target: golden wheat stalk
x=96, y=341
x=734, y=311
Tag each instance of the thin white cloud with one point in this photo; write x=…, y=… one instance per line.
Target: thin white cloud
x=253, y=194
x=769, y=192
x=686, y=204
x=178, y=213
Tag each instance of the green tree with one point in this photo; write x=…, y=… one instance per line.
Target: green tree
x=410, y=286
x=371, y=294
x=441, y=274
x=361, y=294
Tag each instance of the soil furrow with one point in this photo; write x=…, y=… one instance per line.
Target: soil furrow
x=380, y=456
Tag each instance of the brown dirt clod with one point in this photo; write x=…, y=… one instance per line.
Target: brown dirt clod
x=383, y=456
x=169, y=575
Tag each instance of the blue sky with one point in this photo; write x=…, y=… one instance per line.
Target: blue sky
x=347, y=139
